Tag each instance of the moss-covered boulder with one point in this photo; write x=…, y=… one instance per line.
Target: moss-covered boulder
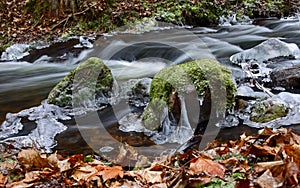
x=90, y=80
x=268, y=110
x=172, y=83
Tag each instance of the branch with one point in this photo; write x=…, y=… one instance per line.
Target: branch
x=75, y=14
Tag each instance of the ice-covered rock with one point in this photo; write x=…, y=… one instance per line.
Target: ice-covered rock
x=268, y=49
x=15, y=52
x=84, y=85
x=42, y=124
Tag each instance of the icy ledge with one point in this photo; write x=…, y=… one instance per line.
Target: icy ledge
x=46, y=117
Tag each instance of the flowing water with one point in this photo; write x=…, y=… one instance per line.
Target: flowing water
x=25, y=81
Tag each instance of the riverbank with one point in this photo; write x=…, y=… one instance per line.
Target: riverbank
x=32, y=21
x=269, y=159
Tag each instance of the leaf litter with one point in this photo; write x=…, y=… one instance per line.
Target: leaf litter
x=269, y=159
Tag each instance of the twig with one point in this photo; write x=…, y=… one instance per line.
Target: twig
x=71, y=15
x=246, y=69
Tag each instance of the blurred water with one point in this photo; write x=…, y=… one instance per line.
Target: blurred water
x=130, y=56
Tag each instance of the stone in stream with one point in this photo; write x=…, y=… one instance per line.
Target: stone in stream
x=288, y=78
x=268, y=110
x=269, y=49
x=171, y=85
x=93, y=80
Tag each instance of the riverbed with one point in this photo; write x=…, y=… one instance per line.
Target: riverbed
x=27, y=78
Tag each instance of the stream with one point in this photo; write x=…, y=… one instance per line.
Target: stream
x=27, y=78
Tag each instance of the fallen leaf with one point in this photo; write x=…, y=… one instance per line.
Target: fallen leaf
x=31, y=176
x=76, y=158
x=296, y=138
x=19, y=184
x=62, y=165
x=84, y=173
x=31, y=158
x=2, y=180
x=294, y=152
x=223, y=151
x=8, y=165
x=108, y=172
x=266, y=180
x=258, y=150
x=126, y=154
x=208, y=167
x=276, y=167
x=151, y=176
x=266, y=132
x=160, y=185
x=241, y=183
x=292, y=172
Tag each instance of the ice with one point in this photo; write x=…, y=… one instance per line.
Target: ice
x=15, y=52
x=292, y=101
x=46, y=117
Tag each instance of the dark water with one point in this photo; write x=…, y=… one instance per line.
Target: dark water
x=130, y=56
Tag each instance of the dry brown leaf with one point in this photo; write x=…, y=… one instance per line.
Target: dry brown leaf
x=84, y=173
x=208, y=167
x=62, y=165
x=296, y=138
x=8, y=165
x=258, y=150
x=19, y=184
x=277, y=168
x=31, y=176
x=294, y=152
x=108, y=172
x=2, y=180
x=126, y=154
x=150, y=176
x=266, y=132
x=161, y=185
x=266, y=180
x=292, y=172
x=31, y=158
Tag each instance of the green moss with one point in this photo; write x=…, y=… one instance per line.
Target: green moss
x=86, y=73
x=181, y=78
x=265, y=111
x=154, y=114
x=200, y=75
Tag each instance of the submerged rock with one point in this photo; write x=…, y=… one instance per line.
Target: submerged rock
x=170, y=86
x=289, y=78
x=268, y=110
x=269, y=49
x=89, y=81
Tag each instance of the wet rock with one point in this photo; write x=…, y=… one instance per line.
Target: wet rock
x=88, y=82
x=269, y=49
x=175, y=82
x=15, y=52
x=246, y=92
x=289, y=78
x=268, y=110
x=139, y=91
x=60, y=50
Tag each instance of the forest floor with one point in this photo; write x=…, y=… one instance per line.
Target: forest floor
x=269, y=159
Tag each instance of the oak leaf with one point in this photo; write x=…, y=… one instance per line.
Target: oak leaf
x=266, y=180
x=108, y=172
x=62, y=165
x=208, y=167
x=294, y=152
x=31, y=158
x=84, y=173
